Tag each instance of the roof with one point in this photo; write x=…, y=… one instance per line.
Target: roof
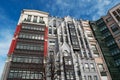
x=35, y=11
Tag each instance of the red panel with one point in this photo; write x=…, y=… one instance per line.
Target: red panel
x=17, y=30
x=14, y=41
x=45, y=42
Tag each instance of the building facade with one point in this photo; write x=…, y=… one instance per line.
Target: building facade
x=28, y=50
x=107, y=32
x=52, y=48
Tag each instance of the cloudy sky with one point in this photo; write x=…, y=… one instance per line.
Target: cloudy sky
x=80, y=9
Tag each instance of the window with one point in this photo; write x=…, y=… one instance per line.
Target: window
x=29, y=18
x=108, y=19
x=95, y=78
x=90, y=35
x=68, y=62
x=92, y=67
x=101, y=68
x=114, y=27
x=41, y=20
x=110, y=42
x=115, y=51
x=54, y=23
x=85, y=78
x=31, y=36
x=35, y=19
x=89, y=77
x=96, y=54
x=118, y=10
x=86, y=67
x=50, y=31
x=73, y=33
x=71, y=25
x=70, y=75
x=93, y=47
x=11, y=75
x=116, y=15
x=29, y=47
x=55, y=31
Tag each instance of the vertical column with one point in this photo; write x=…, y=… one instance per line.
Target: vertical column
x=45, y=41
x=45, y=50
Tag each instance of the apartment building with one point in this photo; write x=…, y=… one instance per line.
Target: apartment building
x=52, y=48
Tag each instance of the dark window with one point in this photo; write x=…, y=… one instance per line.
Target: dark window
x=118, y=10
x=68, y=62
x=116, y=16
x=54, y=23
x=95, y=78
x=29, y=18
x=35, y=19
x=114, y=27
x=90, y=35
x=85, y=78
x=92, y=67
x=108, y=19
x=55, y=31
x=50, y=31
x=41, y=20
x=89, y=77
x=69, y=75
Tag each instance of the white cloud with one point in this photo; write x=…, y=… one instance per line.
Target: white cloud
x=88, y=9
x=6, y=32
x=102, y=7
x=6, y=37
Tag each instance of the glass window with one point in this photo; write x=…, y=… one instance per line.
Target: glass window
x=101, y=68
x=92, y=66
x=18, y=46
x=89, y=77
x=85, y=78
x=40, y=76
x=20, y=36
x=118, y=10
x=31, y=47
x=36, y=37
x=27, y=75
x=95, y=78
x=114, y=27
x=42, y=37
x=94, y=47
x=90, y=35
x=50, y=31
x=68, y=62
x=35, y=19
x=41, y=19
x=39, y=37
x=29, y=18
x=36, y=76
x=23, y=75
x=108, y=19
x=86, y=67
x=23, y=35
x=27, y=36
x=11, y=75
x=116, y=15
x=55, y=31
x=33, y=37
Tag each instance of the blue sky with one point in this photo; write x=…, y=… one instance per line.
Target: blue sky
x=80, y=9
